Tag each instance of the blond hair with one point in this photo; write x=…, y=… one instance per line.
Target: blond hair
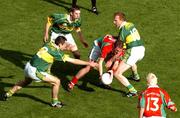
x=151, y=79
x=121, y=15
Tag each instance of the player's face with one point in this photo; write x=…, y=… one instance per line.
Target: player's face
x=76, y=14
x=63, y=46
x=117, y=22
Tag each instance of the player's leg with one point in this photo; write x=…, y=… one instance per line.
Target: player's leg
x=74, y=3
x=21, y=83
x=129, y=59
x=123, y=67
x=135, y=75
x=94, y=8
x=55, y=82
x=93, y=56
x=79, y=75
x=17, y=87
x=136, y=57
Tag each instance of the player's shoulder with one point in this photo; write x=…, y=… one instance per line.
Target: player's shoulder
x=129, y=25
x=163, y=91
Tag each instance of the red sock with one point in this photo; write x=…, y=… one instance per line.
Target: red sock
x=74, y=80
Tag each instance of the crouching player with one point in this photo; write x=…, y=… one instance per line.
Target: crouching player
x=38, y=68
x=115, y=56
x=153, y=100
x=101, y=47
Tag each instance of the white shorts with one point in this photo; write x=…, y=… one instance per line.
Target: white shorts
x=69, y=38
x=95, y=53
x=136, y=54
x=31, y=72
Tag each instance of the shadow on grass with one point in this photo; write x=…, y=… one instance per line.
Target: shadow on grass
x=31, y=97
x=15, y=57
x=61, y=70
x=64, y=4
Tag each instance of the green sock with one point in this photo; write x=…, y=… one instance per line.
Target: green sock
x=54, y=100
x=136, y=75
x=9, y=93
x=131, y=88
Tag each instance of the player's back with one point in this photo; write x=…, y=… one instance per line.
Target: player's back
x=154, y=100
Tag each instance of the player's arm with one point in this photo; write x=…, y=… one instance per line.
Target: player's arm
x=141, y=112
x=80, y=62
x=104, y=51
x=141, y=104
x=170, y=104
x=47, y=26
x=81, y=37
x=100, y=63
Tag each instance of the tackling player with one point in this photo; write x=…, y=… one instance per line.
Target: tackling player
x=153, y=100
x=63, y=25
x=134, y=51
x=101, y=47
x=38, y=68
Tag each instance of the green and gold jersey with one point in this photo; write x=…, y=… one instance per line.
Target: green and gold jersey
x=46, y=55
x=60, y=23
x=129, y=35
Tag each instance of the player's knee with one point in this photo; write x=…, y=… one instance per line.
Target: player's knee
x=58, y=81
x=117, y=73
x=76, y=54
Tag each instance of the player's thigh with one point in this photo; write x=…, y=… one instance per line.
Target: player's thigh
x=122, y=67
x=51, y=79
x=33, y=73
x=133, y=55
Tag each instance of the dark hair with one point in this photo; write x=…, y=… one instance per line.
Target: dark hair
x=74, y=9
x=60, y=40
x=118, y=44
x=121, y=15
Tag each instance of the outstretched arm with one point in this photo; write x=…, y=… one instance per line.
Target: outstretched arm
x=80, y=62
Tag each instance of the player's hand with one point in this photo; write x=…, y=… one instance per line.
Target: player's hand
x=100, y=77
x=45, y=39
x=173, y=108
x=85, y=45
x=92, y=64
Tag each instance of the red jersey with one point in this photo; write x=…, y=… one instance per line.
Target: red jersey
x=153, y=100
x=106, y=44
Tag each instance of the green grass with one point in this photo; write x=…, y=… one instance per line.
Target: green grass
x=22, y=25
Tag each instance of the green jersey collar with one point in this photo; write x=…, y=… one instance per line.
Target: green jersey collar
x=68, y=18
x=122, y=24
